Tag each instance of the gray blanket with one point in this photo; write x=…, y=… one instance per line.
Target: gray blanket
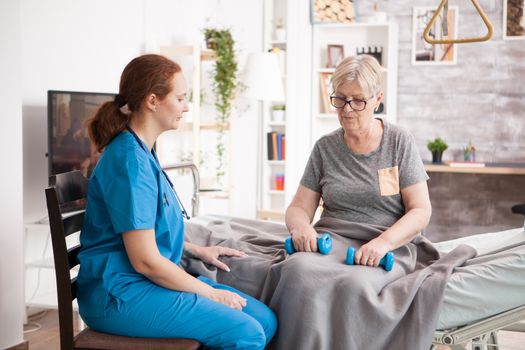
x=322, y=303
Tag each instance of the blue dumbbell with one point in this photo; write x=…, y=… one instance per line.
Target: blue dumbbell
x=324, y=244
x=387, y=262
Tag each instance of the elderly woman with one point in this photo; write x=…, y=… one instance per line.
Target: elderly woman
x=368, y=171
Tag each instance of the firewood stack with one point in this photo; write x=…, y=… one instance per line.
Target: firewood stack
x=514, y=14
x=334, y=11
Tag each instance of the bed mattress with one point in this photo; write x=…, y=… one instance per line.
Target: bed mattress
x=489, y=284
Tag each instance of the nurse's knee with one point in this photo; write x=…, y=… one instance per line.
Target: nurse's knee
x=249, y=335
x=268, y=321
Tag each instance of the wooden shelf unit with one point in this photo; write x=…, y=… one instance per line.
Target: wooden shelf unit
x=270, y=200
x=191, y=142
x=352, y=36
x=489, y=168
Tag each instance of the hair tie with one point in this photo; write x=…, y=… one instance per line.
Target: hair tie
x=119, y=100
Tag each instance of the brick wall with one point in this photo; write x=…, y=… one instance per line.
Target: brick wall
x=482, y=99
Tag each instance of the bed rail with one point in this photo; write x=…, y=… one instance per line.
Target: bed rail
x=506, y=320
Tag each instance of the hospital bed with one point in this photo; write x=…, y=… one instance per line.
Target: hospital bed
x=484, y=296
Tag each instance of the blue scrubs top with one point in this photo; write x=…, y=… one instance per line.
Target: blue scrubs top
x=126, y=191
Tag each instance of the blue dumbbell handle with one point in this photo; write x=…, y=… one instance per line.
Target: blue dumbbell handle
x=387, y=262
x=324, y=244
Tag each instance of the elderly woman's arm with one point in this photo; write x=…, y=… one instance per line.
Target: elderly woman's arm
x=416, y=218
x=299, y=216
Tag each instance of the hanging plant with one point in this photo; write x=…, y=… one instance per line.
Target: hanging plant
x=224, y=86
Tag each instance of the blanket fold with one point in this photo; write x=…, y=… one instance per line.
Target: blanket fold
x=322, y=303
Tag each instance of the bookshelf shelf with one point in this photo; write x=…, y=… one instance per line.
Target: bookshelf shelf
x=274, y=215
x=193, y=140
x=273, y=166
x=352, y=37
x=276, y=192
x=188, y=126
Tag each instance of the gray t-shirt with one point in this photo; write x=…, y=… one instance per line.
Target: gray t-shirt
x=364, y=188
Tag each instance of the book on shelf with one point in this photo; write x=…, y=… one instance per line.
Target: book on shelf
x=465, y=164
x=274, y=146
x=276, y=143
x=269, y=145
x=279, y=146
x=283, y=147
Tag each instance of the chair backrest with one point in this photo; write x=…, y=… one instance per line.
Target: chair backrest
x=65, y=188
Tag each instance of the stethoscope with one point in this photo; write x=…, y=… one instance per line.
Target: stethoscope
x=139, y=141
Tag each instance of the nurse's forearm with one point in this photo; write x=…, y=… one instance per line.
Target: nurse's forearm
x=190, y=248
x=165, y=273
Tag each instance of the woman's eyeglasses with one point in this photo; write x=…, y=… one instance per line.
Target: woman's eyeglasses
x=340, y=103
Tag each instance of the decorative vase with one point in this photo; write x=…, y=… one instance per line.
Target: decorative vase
x=436, y=157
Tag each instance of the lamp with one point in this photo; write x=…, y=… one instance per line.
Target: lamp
x=263, y=81
x=262, y=77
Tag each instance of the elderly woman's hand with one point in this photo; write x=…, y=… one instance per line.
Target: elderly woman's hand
x=371, y=253
x=304, y=239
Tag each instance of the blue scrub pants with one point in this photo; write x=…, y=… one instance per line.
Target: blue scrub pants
x=156, y=312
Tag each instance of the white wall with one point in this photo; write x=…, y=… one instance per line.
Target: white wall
x=11, y=231
x=84, y=45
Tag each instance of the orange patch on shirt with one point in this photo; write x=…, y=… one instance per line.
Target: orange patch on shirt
x=388, y=181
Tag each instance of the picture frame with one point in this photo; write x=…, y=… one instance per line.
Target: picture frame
x=513, y=26
x=325, y=84
x=424, y=53
x=336, y=53
x=333, y=11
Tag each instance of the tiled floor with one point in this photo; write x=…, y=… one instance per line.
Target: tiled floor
x=47, y=337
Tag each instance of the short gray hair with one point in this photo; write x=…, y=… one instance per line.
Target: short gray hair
x=364, y=69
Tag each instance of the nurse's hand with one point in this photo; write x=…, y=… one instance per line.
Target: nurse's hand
x=230, y=299
x=210, y=255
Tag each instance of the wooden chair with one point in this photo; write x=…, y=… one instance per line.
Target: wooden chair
x=64, y=189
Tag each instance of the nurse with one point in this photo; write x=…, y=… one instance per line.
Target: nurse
x=130, y=282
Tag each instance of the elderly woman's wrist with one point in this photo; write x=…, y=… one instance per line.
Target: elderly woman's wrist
x=301, y=228
x=389, y=244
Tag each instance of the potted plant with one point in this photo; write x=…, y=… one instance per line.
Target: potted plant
x=223, y=86
x=278, y=113
x=437, y=147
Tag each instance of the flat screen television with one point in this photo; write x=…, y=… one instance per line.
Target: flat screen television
x=69, y=146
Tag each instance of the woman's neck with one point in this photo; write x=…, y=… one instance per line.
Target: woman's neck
x=145, y=131
x=366, y=140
